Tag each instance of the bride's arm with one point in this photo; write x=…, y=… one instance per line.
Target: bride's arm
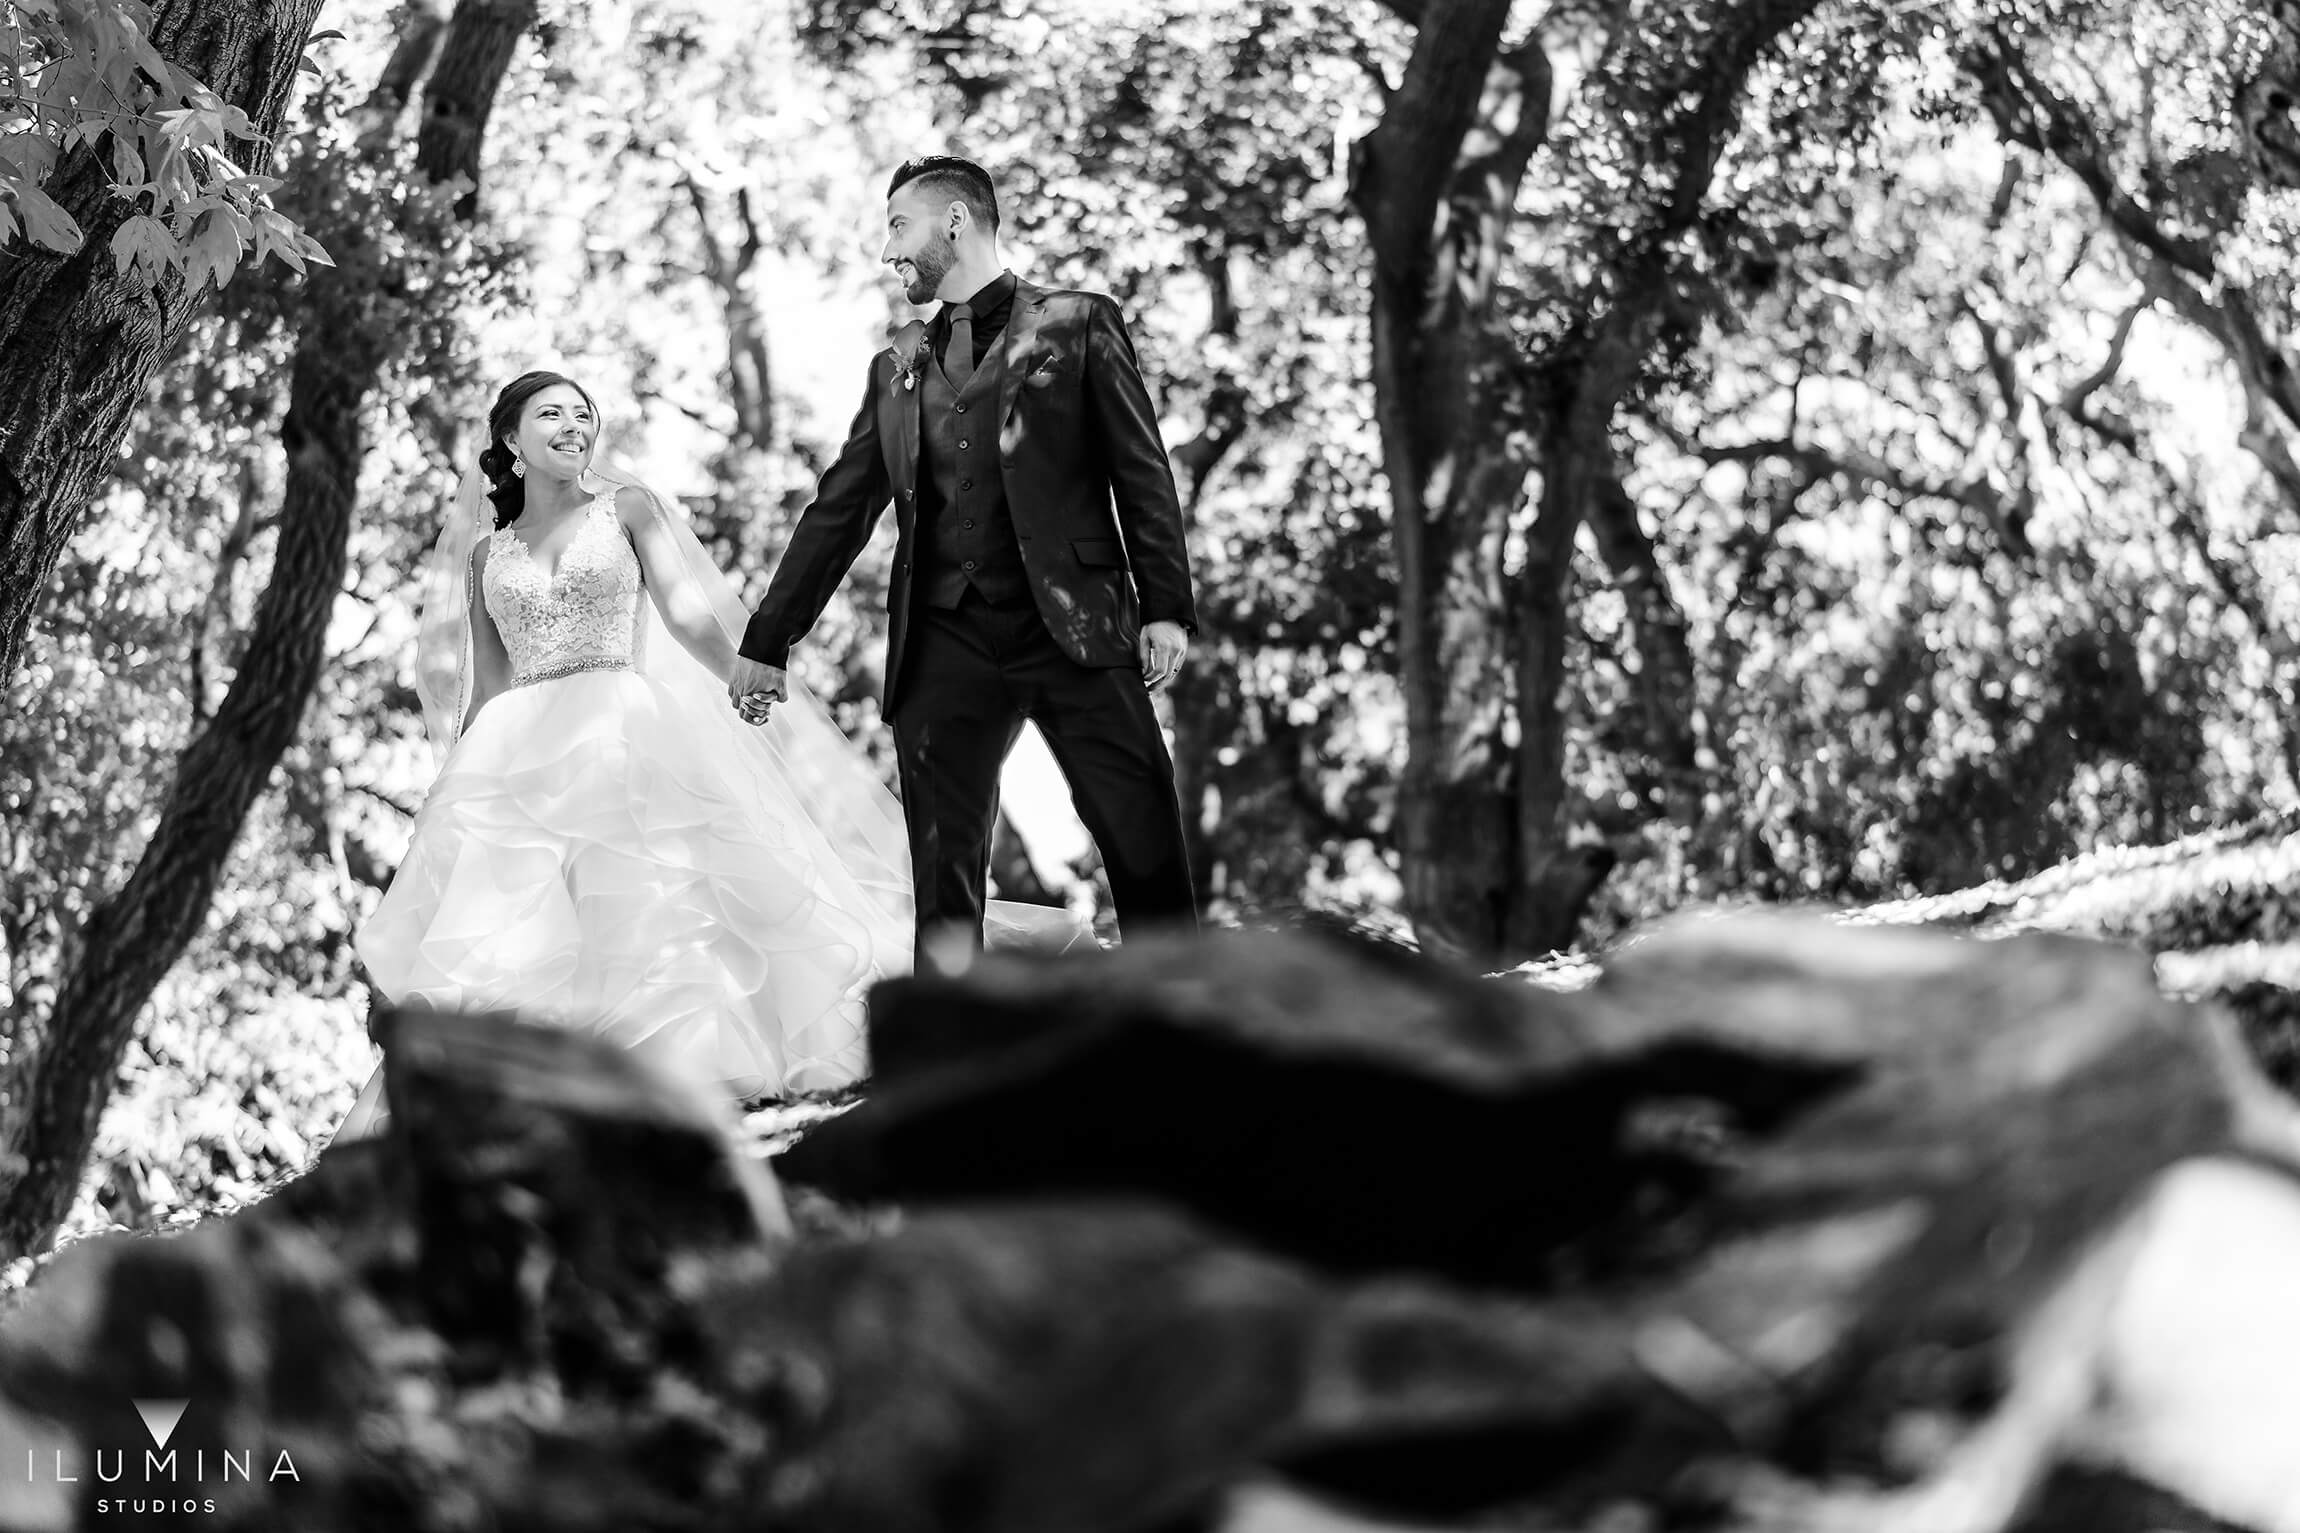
x=685, y=608
x=490, y=661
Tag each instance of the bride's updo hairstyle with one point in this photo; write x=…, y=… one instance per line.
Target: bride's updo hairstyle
x=506, y=489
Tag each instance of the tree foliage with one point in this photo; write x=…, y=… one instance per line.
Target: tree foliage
x=86, y=75
x=337, y=333
x=82, y=331
x=1762, y=449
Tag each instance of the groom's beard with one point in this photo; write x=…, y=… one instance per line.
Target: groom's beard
x=932, y=263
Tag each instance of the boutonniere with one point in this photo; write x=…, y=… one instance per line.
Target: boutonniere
x=909, y=342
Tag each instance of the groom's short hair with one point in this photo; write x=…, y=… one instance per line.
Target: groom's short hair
x=946, y=175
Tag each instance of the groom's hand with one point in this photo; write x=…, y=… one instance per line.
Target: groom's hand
x=753, y=688
x=1163, y=645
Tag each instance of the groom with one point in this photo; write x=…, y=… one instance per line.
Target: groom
x=1040, y=571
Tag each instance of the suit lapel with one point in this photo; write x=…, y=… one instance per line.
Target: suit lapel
x=1014, y=347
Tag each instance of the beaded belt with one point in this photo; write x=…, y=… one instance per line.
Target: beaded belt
x=571, y=668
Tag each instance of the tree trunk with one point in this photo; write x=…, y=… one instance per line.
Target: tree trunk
x=471, y=66
x=1667, y=686
x=1554, y=879
x=79, y=343
x=1456, y=810
x=1442, y=368
x=750, y=373
x=346, y=339
x=1194, y=704
x=1203, y=701
x=422, y=27
x=1483, y=833
x=1578, y=392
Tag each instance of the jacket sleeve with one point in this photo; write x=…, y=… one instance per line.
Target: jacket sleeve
x=830, y=533
x=1141, y=480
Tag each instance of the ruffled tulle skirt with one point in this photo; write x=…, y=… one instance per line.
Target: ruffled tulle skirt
x=600, y=851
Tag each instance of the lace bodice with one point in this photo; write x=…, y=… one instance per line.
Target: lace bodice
x=582, y=617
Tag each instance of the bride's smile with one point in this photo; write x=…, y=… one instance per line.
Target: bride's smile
x=558, y=431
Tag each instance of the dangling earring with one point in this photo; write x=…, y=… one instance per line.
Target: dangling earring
x=518, y=468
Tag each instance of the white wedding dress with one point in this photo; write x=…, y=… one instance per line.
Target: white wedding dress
x=609, y=849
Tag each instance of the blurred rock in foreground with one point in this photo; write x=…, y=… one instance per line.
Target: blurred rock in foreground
x=1780, y=1224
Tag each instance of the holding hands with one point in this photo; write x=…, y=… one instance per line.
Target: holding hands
x=754, y=689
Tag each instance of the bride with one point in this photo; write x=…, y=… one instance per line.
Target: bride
x=607, y=844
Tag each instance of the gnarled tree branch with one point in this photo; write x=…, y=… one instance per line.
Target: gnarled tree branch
x=1404, y=167
x=2180, y=269
x=1854, y=464
x=1666, y=679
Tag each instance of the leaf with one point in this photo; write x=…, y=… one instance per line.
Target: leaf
x=127, y=162
x=213, y=254
x=7, y=224
x=243, y=228
x=30, y=155
x=276, y=234
x=104, y=40
x=48, y=224
x=144, y=243
x=147, y=58
x=63, y=85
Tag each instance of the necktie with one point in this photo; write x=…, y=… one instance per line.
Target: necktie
x=958, y=351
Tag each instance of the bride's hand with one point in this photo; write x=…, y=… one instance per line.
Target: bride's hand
x=753, y=688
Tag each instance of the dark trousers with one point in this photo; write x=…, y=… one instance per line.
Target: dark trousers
x=972, y=675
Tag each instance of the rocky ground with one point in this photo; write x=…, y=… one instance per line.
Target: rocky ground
x=1767, y=1220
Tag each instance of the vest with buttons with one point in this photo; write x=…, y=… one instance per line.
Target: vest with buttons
x=966, y=536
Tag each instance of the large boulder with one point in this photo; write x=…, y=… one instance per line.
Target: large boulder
x=1780, y=1224
x=1355, y=1106
x=1818, y=1183
x=554, y=1181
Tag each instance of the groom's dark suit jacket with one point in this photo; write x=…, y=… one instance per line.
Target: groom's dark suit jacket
x=1088, y=490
